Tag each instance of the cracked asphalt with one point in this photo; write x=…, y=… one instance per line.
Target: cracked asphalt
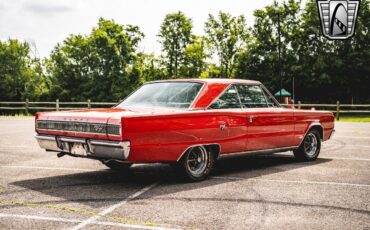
x=40, y=191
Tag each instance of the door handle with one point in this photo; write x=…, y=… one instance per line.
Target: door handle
x=222, y=126
x=251, y=119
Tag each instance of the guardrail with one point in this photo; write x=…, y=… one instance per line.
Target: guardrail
x=57, y=105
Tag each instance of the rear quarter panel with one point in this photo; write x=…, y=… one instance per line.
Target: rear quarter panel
x=304, y=119
x=165, y=137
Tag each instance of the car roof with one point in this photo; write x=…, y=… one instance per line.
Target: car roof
x=213, y=80
x=212, y=88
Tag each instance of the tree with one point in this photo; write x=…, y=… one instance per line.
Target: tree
x=21, y=76
x=99, y=66
x=226, y=36
x=175, y=34
x=195, y=56
x=260, y=60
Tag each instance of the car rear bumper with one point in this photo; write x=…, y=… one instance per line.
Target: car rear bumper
x=85, y=147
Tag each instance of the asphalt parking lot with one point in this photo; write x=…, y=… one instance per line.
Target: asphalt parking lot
x=40, y=191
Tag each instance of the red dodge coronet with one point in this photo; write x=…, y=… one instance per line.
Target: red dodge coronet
x=188, y=123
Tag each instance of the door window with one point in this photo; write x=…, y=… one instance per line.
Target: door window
x=251, y=96
x=228, y=100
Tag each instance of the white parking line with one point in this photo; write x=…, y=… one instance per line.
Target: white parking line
x=110, y=209
x=57, y=219
x=292, y=181
x=47, y=168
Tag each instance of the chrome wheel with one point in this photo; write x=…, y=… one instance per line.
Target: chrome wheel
x=197, y=161
x=310, y=147
x=310, y=144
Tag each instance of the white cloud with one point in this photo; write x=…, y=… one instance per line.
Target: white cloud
x=47, y=22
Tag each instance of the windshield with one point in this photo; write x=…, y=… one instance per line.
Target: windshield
x=164, y=94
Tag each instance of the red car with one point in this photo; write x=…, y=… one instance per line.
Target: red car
x=189, y=123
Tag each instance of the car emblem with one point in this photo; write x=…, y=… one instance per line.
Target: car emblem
x=338, y=18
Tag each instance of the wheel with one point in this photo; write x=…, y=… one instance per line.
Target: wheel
x=117, y=165
x=310, y=147
x=197, y=163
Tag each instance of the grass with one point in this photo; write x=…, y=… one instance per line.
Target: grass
x=354, y=118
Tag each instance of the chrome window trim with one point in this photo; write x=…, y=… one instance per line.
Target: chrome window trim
x=271, y=96
x=220, y=95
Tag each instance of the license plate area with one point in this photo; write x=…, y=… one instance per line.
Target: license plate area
x=73, y=146
x=78, y=149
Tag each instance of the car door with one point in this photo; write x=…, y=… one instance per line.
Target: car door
x=234, y=128
x=268, y=125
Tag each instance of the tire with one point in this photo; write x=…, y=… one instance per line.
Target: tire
x=310, y=147
x=117, y=165
x=197, y=163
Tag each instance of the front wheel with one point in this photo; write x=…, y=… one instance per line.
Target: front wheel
x=310, y=147
x=197, y=163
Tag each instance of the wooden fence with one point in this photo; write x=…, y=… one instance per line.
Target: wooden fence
x=27, y=106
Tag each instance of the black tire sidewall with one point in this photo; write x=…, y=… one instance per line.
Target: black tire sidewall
x=301, y=154
x=206, y=172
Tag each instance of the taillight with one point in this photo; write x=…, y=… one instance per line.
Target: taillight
x=114, y=129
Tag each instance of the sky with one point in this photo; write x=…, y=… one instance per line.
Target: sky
x=44, y=23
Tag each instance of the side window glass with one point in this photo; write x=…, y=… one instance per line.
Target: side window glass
x=229, y=100
x=251, y=96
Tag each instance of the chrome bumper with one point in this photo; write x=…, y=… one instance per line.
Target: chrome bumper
x=85, y=147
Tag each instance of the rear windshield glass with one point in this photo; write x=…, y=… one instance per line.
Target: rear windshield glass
x=164, y=94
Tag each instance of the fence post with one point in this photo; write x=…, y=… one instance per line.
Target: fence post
x=338, y=109
x=299, y=104
x=57, y=105
x=89, y=104
x=27, y=106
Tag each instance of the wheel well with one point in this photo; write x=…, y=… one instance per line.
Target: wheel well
x=215, y=150
x=319, y=129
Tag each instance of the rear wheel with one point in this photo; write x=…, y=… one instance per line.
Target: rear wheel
x=197, y=163
x=117, y=165
x=309, y=150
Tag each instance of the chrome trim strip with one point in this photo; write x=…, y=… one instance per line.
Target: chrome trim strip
x=106, y=143
x=261, y=151
x=192, y=146
x=58, y=130
x=74, y=140
x=197, y=97
x=272, y=96
x=45, y=137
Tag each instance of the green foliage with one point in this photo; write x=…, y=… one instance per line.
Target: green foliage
x=175, y=34
x=21, y=76
x=195, y=56
x=324, y=70
x=105, y=64
x=100, y=66
x=226, y=35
